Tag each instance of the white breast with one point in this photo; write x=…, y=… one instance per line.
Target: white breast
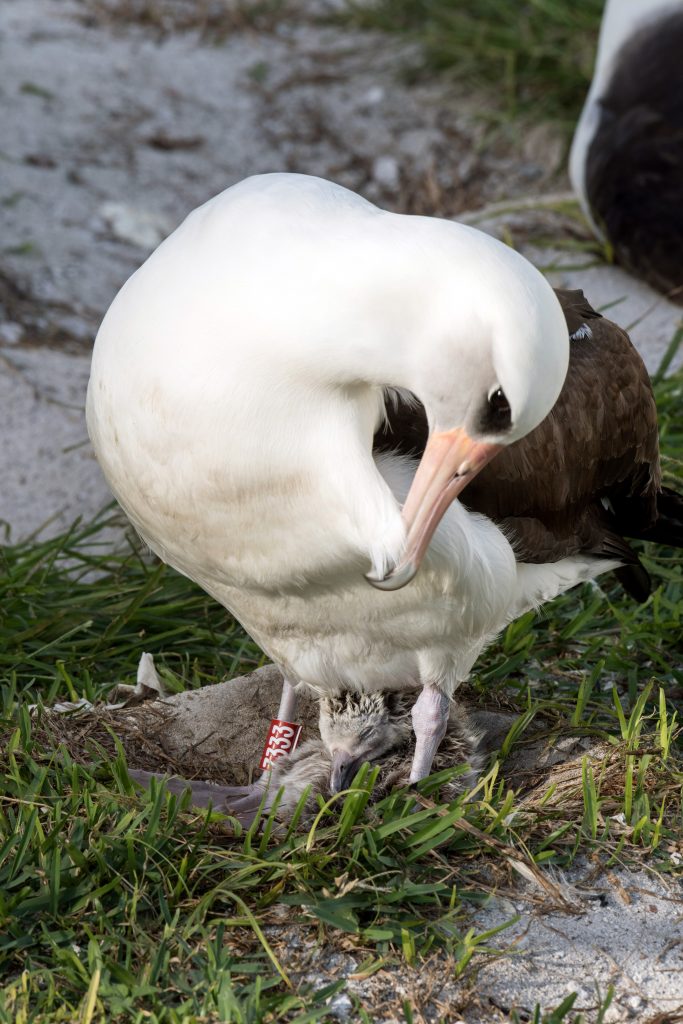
x=338, y=631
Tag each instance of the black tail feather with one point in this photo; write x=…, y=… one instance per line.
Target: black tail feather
x=635, y=580
x=668, y=527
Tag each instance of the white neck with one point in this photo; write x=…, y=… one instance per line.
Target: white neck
x=621, y=20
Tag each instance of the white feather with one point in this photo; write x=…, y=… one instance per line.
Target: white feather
x=238, y=379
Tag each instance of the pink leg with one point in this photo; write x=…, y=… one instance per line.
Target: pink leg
x=430, y=721
x=288, y=702
x=245, y=800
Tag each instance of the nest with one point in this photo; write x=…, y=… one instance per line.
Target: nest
x=216, y=734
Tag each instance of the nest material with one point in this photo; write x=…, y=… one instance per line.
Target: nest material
x=217, y=733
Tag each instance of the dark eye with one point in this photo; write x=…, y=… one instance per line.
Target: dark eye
x=499, y=405
x=496, y=415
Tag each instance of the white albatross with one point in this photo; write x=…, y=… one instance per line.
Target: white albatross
x=237, y=382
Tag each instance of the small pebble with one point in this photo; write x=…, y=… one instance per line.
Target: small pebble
x=634, y=1005
x=373, y=96
x=340, y=1007
x=143, y=228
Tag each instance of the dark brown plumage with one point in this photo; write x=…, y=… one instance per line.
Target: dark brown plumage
x=634, y=164
x=589, y=476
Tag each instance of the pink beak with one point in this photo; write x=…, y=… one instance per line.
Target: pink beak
x=450, y=461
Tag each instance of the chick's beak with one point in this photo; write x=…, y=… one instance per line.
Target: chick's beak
x=342, y=770
x=450, y=461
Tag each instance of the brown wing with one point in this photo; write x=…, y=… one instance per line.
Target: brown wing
x=576, y=308
x=598, y=446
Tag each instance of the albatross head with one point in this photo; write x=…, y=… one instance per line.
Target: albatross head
x=358, y=727
x=489, y=367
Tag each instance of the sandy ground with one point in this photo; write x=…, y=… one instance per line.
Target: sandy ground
x=111, y=132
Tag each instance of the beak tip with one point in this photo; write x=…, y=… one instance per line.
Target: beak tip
x=342, y=773
x=399, y=577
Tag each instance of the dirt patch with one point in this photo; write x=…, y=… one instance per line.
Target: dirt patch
x=215, y=733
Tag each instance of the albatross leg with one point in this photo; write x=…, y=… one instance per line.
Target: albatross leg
x=244, y=801
x=430, y=722
x=288, y=702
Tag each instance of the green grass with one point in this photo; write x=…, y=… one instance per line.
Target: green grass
x=116, y=906
x=535, y=54
x=121, y=907
x=72, y=606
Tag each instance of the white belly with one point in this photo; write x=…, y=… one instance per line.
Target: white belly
x=288, y=558
x=343, y=633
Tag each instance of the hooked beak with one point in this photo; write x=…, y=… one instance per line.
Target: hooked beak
x=342, y=770
x=450, y=462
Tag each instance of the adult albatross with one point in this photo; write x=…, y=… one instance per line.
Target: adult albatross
x=626, y=161
x=240, y=379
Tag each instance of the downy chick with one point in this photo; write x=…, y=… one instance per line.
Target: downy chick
x=374, y=727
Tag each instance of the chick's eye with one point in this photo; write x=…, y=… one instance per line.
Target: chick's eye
x=497, y=414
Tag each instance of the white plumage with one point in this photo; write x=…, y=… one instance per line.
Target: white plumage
x=237, y=381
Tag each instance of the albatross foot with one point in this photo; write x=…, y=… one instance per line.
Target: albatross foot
x=233, y=794
x=246, y=799
x=204, y=794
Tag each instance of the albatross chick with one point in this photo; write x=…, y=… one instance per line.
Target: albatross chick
x=356, y=728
